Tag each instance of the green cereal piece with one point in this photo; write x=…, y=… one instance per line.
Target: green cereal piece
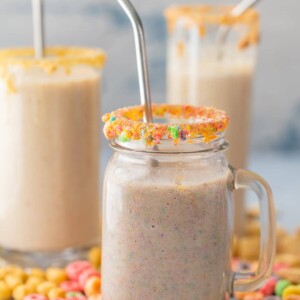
x=112, y=119
x=123, y=138
x=281, y=286
x=174, y=131
x=73, y=294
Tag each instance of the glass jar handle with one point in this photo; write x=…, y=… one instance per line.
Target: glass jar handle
x=243, y=282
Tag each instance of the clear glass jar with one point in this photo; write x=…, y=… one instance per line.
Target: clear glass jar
x=49, y=154
x=168, y=222
x=204, y=69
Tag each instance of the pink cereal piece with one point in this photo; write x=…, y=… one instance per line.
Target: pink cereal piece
x=35, y=297
x=85, y=275
x=71, y=286
x=74, y=269
x=279, y=266
x=269, y=287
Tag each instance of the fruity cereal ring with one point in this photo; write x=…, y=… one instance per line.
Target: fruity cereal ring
x=126, y=124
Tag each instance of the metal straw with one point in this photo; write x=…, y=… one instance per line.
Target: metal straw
x=224, y=30
x=38, y=27
x=142, y=65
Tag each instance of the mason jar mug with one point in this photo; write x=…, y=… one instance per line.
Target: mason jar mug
x=168, y=208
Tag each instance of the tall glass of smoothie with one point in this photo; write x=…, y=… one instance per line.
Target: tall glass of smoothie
x=204, y=71
x=49, y=154
x=168, y=208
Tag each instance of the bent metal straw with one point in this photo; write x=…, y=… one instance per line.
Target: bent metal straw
x=142, y=65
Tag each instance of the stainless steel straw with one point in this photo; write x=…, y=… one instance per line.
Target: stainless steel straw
x=38, y=27
x=141, y=55
x=224, y=30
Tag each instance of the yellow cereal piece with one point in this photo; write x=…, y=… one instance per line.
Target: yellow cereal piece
x=36, y=272
x=291, y=290
x=45, y=287
x=3, y=273
x=95, y=257
x=20, y=292
x=5, y=291
x=291, y=274
x=93, y=286
x=56, y=293
x=34, y=281
x=56, y=275
x=31, y=288
x=13, y=281
x=19, y=272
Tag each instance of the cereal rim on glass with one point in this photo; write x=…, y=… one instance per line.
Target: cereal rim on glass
x=185, y=123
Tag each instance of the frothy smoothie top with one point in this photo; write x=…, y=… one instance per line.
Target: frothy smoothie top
x=54, y=57
x=203, y=15
x=175, y=122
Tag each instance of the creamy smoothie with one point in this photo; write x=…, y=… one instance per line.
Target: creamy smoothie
x=179, y=232
x=226, y=85
x=49, y=157
x=202, y=71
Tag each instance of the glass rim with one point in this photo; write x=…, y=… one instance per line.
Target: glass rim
x=167, y=147
x=211, y=14
x=178, y=123
x=57, y=56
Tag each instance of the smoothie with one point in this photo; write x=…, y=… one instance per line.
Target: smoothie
x=175, y=230
x=226, y=85
x=49, y=157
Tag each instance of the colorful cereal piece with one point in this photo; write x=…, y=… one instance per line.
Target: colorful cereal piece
x=292, y=297
x=75, y=296
x=281, y=286
x=35, y=297
x=74, y=269
x=71, y=286
x=20, y=292
x=33, y=282
x=5, y=291
x=95, y=257
x=13, y=281
x=85, y=275
x=56, y=275
x=98, y=297
x=254, y=296
x=45, y=287
x=291, y=290
x=279, y=266
x=92, y=286
x=36, y=272
x=56, y=293
x=269, y=287
x=17, y=272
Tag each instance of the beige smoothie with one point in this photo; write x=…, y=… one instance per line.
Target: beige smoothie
x=226, y=85
x=203, y=72
x=177, y=231
x=49, y=155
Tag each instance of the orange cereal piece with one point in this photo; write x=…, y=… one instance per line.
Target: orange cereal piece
x=93, y=286
x=12, y=281
x=254, y=296
x=45, y=287
x=56, y=293
x=56, y=275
